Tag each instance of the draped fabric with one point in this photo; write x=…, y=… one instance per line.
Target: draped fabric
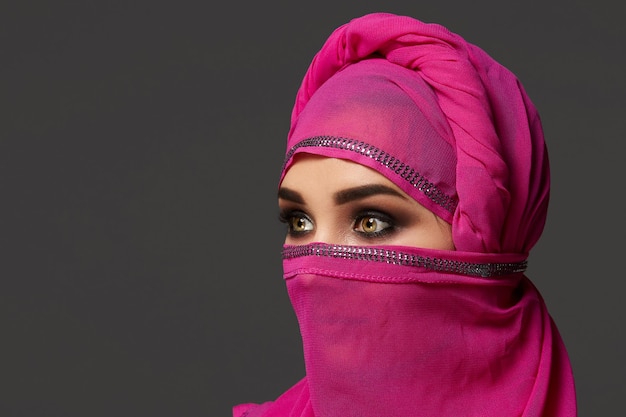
x=402, y=331
x=502, y=167
x=380, y=115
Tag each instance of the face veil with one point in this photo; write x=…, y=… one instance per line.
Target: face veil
x=388, y=331
x=404, y=331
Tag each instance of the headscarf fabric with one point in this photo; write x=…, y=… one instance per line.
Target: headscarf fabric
x=400, y=331
x=502, y=176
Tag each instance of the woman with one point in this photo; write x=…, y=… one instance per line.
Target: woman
x=414, y=186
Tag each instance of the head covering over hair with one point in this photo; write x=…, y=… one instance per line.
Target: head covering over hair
x=383, y=116
x=502, y=167
x=399, y=331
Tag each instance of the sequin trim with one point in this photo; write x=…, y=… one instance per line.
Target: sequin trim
x=373, y=254
x=409, y=174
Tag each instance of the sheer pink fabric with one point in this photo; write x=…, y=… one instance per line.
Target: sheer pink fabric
x=401, y=331
x=502, y=169
x=384, y=111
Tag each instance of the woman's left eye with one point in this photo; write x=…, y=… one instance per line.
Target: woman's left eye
x=371, y=225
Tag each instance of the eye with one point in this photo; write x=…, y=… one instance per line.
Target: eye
x=300, y=224
x=297, y=223
x=372, y=225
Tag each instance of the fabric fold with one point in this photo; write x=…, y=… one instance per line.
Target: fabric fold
x=393, y=331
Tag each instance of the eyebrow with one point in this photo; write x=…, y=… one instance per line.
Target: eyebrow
x=290, y=195
x=358, y=193
x=344, y=196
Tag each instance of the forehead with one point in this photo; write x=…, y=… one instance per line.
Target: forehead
x=322, y=175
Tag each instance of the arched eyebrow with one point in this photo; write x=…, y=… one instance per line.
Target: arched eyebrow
x=344, y=196
x=358, y=193
x=290, y=195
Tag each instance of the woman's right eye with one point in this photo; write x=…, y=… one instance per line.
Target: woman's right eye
x=297, y=223
x=300, y=224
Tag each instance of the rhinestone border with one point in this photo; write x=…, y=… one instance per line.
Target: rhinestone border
x=373, y=254
x=409, y=174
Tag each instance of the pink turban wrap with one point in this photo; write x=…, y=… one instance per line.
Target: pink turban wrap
x=399, y=331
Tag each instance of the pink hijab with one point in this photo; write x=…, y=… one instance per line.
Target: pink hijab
x=403, y=331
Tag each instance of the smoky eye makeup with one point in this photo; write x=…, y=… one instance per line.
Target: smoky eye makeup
x=298, y=222
x=373, y=223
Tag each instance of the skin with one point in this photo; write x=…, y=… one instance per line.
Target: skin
x=341, y=202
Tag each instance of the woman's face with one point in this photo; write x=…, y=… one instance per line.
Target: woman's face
x=341, y=202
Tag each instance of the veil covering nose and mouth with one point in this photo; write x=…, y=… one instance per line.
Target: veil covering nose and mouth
x=400, y=331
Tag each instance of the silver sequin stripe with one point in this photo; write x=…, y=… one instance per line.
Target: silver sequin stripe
x=373, y=254
x=414, y=178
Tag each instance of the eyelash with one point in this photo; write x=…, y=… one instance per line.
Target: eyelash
x=378, y=216
x=288, y=217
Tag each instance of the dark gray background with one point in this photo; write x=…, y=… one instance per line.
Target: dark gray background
x=140, y=145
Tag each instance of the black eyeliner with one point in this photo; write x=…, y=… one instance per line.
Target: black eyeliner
x=286, y=216
x=376, y=214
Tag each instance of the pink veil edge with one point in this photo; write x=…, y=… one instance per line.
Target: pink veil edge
x=293, y=402
x=554, y=393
